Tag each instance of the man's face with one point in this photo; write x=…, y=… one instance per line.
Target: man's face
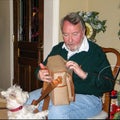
x=72, y=35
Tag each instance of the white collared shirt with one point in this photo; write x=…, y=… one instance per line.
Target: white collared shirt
x=84, y=47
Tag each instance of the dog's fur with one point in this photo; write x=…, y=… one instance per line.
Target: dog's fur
x=16, y=97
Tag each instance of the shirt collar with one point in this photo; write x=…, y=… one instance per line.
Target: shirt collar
x=84, y=47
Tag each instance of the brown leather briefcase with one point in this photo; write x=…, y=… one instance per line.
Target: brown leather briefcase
x=64, y=92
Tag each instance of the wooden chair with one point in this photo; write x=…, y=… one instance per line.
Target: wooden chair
x=106, y=97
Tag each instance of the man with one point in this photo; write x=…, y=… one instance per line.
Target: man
x=91, y=71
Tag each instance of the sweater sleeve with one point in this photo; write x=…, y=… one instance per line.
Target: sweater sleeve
x=55, y=50
x=102, y=78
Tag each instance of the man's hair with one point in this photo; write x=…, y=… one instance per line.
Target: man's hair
x=74, y=18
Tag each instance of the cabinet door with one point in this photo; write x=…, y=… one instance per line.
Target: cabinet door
x=28, y=42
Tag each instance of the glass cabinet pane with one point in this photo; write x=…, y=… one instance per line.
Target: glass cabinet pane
x=28, y=41
x=21, y=21
x=29, y=20
x=34, y=20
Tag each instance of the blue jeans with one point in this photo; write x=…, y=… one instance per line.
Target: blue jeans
x=85, y=106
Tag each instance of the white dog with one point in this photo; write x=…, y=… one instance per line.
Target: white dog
x=15, y=103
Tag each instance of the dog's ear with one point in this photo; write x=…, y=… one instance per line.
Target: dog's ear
x=25, y=96
x=3, y=93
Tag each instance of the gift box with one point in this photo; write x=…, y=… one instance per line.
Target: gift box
x=3, y=109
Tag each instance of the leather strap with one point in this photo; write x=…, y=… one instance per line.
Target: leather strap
x=46, y=103
x=45, y=94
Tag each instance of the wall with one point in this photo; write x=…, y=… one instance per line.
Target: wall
x=6, y=57
x=109, y=10
x=67, y=6
x=51, y=24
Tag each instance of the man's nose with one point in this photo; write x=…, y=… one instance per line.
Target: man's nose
x=70, y=38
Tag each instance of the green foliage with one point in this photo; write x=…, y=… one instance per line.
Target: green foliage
x=117, y=116
x=93, y=19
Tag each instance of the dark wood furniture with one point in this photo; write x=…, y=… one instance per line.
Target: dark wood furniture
x=28, y=41
x=105, y=113
x=116, y=70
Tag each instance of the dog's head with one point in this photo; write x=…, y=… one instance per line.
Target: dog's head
x=15, y=96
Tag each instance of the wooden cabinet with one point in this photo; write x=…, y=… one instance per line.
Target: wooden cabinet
x=28, y=42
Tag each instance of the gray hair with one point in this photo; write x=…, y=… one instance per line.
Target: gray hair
x=74, y=18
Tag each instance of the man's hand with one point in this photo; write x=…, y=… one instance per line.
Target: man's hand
x=76, y=68
x=44, y=74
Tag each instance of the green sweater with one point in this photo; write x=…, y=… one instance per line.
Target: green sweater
x=95, y=63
